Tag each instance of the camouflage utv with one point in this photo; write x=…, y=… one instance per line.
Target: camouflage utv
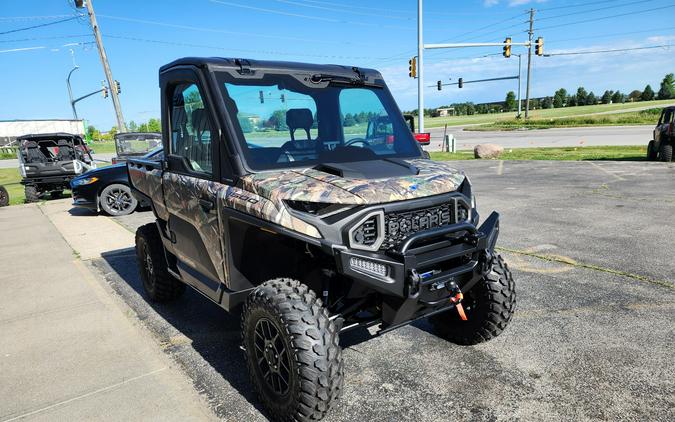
x=273, y=195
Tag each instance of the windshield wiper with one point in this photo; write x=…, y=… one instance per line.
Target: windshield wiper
x=323, y=77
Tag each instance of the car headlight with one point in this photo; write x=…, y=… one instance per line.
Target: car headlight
x=85, y=181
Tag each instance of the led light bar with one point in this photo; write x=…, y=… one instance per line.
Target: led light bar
x=370, y=267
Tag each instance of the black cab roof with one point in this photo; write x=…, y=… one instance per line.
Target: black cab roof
x=40, y=136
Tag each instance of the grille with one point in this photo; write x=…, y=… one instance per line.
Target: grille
x=366, y=233
x=398, y=226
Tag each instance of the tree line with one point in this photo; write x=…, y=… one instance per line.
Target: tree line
x=152, y=125
x=561, y=98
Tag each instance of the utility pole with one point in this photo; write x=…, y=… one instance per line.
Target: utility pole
x=420, y=69
x=519, y=75
x=530, y=33
x=106, y=67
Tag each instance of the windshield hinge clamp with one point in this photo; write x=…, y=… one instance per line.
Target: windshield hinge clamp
x=244, y=66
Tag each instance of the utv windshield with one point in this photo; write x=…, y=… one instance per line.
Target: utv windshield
x=137, y=143
x=285, y=123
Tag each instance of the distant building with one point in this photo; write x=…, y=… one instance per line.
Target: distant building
x=442, y=112
x=12, y=129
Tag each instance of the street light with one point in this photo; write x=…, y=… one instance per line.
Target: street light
x=70, y=91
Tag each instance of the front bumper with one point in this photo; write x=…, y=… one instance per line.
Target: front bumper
x=423, y=271
x=85, y=196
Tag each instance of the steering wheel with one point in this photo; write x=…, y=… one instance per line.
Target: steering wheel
x=356, y=141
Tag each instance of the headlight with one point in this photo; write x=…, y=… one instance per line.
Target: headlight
x=85, y=181
x=473, y=202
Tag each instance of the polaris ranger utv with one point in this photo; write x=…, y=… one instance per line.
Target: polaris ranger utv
x=272, y=196
x=49, y=161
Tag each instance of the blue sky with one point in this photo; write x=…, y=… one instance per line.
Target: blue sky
x=140, y=36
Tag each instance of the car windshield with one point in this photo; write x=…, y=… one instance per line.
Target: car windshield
x=136, y=144
x=285, y=123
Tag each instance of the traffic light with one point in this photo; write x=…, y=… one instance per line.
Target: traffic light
x=412, y=67
x=507, y=47
x=539, y=47
x=439, y=85
x=118, y=88
x=262, y=98
x=283, y=98
x=460, y=82
x=104, y=90
x=79, y=4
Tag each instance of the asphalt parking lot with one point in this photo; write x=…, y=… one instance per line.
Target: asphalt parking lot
x=591, y=248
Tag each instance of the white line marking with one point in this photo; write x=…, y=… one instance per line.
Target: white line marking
x=500, y=168
x=91, y=393
x=616, y=176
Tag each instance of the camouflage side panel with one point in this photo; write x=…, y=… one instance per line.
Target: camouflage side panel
x=149, y=182
x=182, y=197
x=316, y=186
x=263, y=208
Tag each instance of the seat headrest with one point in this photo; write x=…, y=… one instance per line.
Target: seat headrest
x=30, y=144
x=299, y=118
x=199, y=119
x=63, y=143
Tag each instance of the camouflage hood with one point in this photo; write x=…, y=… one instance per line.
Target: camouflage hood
x=317, y=186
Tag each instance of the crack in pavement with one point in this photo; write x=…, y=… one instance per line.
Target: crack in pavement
x=562, y=260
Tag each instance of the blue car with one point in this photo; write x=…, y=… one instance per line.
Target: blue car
x=107, y=188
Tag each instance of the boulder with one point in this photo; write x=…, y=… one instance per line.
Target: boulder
x=488, y=151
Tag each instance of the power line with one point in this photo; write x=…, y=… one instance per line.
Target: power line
x=40, y=26
x=272, y=52
x=613, y=6
x=343, y=10
x=219, y=31
x=569, y=6
x=606, y=17
x=299, y=15
x=610, y=35
x=47, y=38
x=615, y=50
x=31, y=18
x=21, y=49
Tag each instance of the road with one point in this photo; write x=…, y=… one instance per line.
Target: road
x=563, y=137
x=591, y=339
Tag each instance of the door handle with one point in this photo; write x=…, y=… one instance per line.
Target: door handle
x=207, y=205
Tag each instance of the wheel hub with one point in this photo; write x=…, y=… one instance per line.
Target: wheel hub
x=271, y=356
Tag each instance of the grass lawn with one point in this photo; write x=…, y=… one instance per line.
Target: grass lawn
x=103, y=147
x=620, y=153
x=645, y=117
x=553, y=113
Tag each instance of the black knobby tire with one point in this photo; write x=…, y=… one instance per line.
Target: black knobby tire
x=32, y=194
x=489, y=306
x=159, y=285
x=117, y=200
x=302, y=384
x=56, y=194
x=652, y=153
x=666, y=152
x=4, y=197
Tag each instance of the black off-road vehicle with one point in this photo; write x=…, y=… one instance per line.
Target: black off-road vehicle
x=135, y=144
x=661, y=147
x=272, y=195
x=49, y=161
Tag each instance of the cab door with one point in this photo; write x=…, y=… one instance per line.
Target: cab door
x=192, y=184
x=662, y=127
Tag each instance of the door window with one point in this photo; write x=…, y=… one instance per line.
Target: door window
x=191, y=128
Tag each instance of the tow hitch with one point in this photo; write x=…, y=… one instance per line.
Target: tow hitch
x=456, y=299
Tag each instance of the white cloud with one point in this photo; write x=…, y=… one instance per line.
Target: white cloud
x=512, y=3
x=490, y=3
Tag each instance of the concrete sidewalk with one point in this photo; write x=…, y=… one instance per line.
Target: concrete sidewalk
x=68, y=351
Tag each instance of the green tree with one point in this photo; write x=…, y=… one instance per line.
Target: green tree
x=245, y=124
x=133, y=127
x=581, y=95
x=547, y=102
x=647, y=94
x=510, y=101
x=590, y=99
x=667, y=90
x=154, y=125
x=349, y=120
x=93, y=133
x=618, y=97
x=635, y=95
x=560, y=98
x=606, y=97
x=278, y=120
x=470, y=109
x=571, y=101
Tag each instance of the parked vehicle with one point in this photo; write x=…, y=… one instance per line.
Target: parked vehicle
x=48, y=162
x=135, y=144
x=107, y=188
x=661, y=147
x=4, y=197
x=314, y=229
x=424, y=138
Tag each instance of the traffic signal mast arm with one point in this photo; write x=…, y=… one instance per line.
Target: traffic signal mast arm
x=463, y=82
